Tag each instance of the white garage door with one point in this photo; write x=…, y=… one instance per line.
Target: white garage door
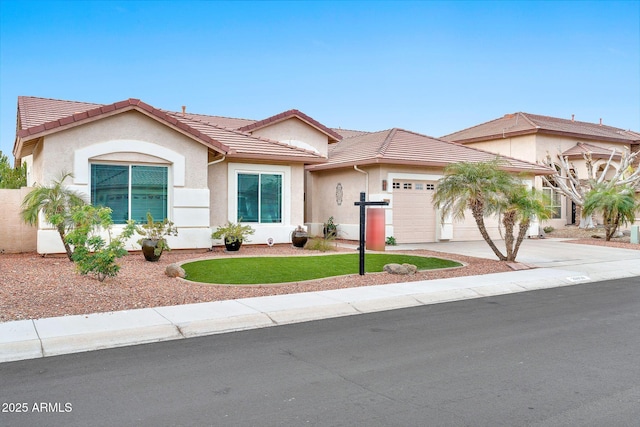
x=414, y=218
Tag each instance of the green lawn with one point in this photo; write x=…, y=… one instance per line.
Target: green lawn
x=259, y=270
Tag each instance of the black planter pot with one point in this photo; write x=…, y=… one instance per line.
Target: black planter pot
x=149, y=249
x=330, y=232
x=299, y=238
x=232, y=246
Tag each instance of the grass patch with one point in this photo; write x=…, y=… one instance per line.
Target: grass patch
x=264, y=270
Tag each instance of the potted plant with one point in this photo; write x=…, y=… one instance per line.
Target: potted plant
x=330, y=229
x=299, y=237
x=233, y=234
x=154, y=240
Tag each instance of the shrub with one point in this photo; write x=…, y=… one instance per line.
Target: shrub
x=322, y=245
x=233, y=232
x=157, y=230
x=548, y=229
x=92, y=253
x=391, y=241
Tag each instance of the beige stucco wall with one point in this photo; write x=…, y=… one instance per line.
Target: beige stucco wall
x=15, y=235
x=222, y=184
x=323, y=188
x=131, y=137
x=58, y=149
x=217, y=181
x=536, y=147
x=293, y=130
x=520, y=147
x=322, y=184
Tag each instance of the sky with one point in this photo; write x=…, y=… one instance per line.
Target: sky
x=427, y=66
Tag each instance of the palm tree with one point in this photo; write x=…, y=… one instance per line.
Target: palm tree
x=523, y=206
x=616, y=204
x=55, y=202
x=480, y=187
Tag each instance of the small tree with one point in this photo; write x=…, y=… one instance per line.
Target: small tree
x=616, y=204
x=56, y=202
x=567, y=182
x=486, y=189
x=478, y=187
x=11, y=177
x=523, y=206
x=92, y=253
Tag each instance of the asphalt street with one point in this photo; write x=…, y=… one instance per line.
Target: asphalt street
x=565, y=356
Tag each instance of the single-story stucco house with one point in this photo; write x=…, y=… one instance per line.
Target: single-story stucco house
x=531, y=137
x=201, y=171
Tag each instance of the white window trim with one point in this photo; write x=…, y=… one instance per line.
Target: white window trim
x=551, y=198
x=232, y=196
x=81, y=158
x=169, y=186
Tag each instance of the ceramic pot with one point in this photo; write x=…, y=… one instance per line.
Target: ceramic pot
x=149, y=249
x=232, y=246
x=299, y=238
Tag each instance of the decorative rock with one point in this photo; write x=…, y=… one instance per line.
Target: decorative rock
x=400, y=269
x=412, y=268
x=174, y=270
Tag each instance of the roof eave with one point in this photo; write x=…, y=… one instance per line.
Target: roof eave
x=546, y=132
x=541, y=170
x=100, y=113
x=504, y=135
x=287, y=159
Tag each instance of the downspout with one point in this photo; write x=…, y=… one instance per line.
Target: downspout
x=217, y=161
x=366, y=182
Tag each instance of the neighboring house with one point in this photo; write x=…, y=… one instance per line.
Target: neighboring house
x=201, y=171
x=531, y=137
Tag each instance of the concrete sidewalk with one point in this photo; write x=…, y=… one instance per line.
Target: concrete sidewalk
x=560, y=264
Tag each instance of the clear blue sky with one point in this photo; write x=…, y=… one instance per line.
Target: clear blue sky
x=429, y=67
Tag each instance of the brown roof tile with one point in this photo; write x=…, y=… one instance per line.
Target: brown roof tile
x=38, y=115
x=597, y=152
x=287, y=115
x=525, y=123
x=399, y=146
x=244, y=145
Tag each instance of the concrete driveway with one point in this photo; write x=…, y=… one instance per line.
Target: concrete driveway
x=591, y=260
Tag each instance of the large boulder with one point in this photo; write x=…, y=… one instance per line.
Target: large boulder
x=400, y=269
x=174, y=270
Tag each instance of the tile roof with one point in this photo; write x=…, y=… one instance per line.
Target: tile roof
x=219, y=121
x=597, y=152
x=333, y=136
x=244, y=145
x=347, y=133
x=40, y=116
x=402, y=147
x=525, y=123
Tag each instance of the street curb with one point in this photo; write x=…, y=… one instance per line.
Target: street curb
x=30, y=339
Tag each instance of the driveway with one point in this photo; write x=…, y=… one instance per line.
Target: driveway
x=590, y=260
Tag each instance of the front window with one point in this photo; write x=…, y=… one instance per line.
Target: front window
x=130, y=191
x=260, y=197
x=554, y=200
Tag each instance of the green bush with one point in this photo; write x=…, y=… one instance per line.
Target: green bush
x=391, y=241
x=548, y=229
x=91, y=252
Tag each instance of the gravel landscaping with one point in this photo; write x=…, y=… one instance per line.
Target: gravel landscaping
x=32, y=286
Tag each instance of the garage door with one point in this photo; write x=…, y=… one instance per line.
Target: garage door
x=414, y=218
